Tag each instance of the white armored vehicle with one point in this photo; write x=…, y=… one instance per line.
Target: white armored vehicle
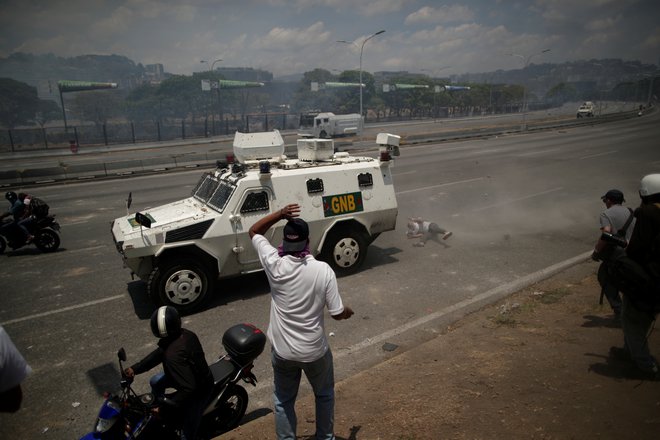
x=328, y=125
x=182, y=248
x=586, y=110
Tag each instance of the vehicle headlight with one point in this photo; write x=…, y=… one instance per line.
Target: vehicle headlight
x=108, y=416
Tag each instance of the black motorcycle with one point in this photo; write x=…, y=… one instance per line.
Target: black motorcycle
x=128, y=415
x=44, y=229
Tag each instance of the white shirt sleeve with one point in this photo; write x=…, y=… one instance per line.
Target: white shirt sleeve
x=13, y=368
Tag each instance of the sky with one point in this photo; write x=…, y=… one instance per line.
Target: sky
x=294, y=36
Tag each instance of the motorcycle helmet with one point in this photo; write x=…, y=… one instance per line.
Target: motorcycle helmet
x=11, y=196
x=165, y=322
x=650, y=185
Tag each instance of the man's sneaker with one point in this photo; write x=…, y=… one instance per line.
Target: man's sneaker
x=446, y=235
x=653, y=374
x=619, y=353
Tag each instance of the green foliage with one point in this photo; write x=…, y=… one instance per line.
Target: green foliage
x=98, y=106
x=18, y=102
x=561, y=93
x=47, y=111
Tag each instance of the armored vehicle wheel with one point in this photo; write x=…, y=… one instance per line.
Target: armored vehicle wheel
x=47, y=240
x=182, y=284
x=345, y=250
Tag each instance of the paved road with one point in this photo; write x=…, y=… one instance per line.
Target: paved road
x=517, y=204
x=29, y=167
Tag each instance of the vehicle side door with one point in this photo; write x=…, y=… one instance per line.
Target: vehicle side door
x=254, y=204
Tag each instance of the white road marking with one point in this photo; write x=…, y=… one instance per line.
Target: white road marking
x=440, y=185
x=483, y=208
x=63, y=309
x=403, y=174
x=495, y=293
x=533, y=153
x=605, y=153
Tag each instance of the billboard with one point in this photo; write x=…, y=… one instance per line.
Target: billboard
x=78, y=86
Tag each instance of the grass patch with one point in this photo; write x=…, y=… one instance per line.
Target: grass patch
x=504, y=320
x=553, y=296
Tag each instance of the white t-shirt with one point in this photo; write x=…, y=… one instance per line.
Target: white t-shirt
x=300, y=289
x=415, y=228
x=13, y=368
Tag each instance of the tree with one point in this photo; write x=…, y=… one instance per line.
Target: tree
x=18, y=102
x=142, y=104
x=323, y=100
x=47, y=110
x=561, y=93
x=99, y=106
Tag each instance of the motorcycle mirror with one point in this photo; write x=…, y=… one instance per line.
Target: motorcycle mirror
x=129, y=200
x=142, y=220
x=121, y=354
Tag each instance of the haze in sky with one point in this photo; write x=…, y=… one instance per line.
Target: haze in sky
x=294, y=36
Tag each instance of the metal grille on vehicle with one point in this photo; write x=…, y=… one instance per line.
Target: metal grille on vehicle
x=191, y=232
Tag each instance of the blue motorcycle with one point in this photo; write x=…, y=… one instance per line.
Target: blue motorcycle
x=128, y=415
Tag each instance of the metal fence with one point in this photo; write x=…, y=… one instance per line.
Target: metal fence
x=26, y=139
x=115, y=133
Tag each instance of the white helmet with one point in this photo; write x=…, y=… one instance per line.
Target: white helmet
x=649, y=185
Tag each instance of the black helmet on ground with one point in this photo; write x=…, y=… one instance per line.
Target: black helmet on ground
x=166, y=322
x=11, y=196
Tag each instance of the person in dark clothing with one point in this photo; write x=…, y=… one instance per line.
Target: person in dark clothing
x=619, y=221
x=184, y=369
x=17, y=210
x=637, y=317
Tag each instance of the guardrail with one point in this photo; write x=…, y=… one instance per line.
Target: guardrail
x=117, y=169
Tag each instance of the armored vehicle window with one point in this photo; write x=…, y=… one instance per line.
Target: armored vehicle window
x=365, y=179
x=221, y=196
x=314, y=185
x=205, y=188
x=256, y=201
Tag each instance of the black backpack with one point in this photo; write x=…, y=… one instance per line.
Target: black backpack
x=38, y=207
x=640, y=283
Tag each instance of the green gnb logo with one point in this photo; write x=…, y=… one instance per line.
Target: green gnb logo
x=342, y=204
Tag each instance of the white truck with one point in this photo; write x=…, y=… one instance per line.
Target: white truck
x=328, y=125
x=181, y=249
x=586, y=110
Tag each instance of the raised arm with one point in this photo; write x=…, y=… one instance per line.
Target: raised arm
x=264, y=224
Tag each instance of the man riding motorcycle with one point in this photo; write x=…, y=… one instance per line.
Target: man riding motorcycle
x=17, y=209
x=184, y=369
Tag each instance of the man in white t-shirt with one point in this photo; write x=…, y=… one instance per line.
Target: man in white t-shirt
x=301, y=288
x=13, y=370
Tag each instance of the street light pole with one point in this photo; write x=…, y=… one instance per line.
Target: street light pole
x=435, y=92
x=217, y=92
x=600, y=90
x=361, y=51
x=526, y=61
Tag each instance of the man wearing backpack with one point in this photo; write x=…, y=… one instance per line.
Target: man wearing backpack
x=618, y=221
x=640, y=308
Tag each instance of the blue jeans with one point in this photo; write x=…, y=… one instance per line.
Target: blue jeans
x=191, y=413
x=321, y=377
x=159, y=383
x=636, y=326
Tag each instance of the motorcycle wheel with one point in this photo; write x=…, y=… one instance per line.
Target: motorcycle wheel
x=3, y=245
x=47, y=240
x=228, y=413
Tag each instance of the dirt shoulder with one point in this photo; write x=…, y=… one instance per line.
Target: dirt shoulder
x=534, y=365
